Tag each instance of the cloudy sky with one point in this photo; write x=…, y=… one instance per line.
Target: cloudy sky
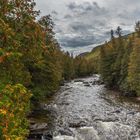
x=82, y=24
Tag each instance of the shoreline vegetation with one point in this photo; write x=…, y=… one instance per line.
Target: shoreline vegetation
x=32, y=65
x=117, y=61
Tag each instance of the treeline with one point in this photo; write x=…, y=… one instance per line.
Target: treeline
x=32, y=65
x=120, y=62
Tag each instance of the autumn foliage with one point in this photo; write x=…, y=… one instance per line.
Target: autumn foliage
x=14, y=103
x=31, y=61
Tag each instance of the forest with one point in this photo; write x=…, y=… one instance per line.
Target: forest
x=33, y=66
x=118, y=61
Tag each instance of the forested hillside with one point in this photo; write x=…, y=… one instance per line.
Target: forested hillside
x=32, y=66
x=119, y=61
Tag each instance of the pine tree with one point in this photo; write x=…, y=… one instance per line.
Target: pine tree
x=106, y=65
x=118, y=52
x=119, y=31
x=134, y=68
x=123, y=84
x=68, y=67
x=112, y=34
x=137, y=28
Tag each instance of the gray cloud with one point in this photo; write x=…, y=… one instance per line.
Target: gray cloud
x=81, y=24
x=78, y=41
x=68, y=16
x=86, y=7
x=82, y=31
x=82, y=28
x=81, y=41
x=72, y=6
x=54, y=12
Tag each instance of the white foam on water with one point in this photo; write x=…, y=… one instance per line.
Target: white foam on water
x=88, y=133
x=64, y=138
x=107, y=125
x=83, y=133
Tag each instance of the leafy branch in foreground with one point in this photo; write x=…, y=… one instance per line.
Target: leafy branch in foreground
x=14, y=106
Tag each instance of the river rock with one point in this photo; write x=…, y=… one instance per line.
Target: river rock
x=48, y=136
x=97, y=82
x=117, y=111
x=35, y=136
x=65, y=131
x=77, y=124
x=87, y=84
x=138, y=99
x=38, y=126
x=129, y=94
x=78, y=80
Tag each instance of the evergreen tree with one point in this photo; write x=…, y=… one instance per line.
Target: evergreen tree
x=137, y=28
x=123, y=84
x=112, y=34
x=119, y=52
x=119, y=31
x=106, y=65
x=134, y=68
x=68, y=66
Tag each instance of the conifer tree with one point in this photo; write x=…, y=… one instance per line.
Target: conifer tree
x=137, y=28
x=134, y=68
x=119, y=31
x=123, y=83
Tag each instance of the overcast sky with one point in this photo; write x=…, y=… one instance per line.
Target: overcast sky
x=82, y=24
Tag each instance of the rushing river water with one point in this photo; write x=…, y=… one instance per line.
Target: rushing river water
x=86, y=110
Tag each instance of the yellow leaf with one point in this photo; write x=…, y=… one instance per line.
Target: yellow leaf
x=2, y=111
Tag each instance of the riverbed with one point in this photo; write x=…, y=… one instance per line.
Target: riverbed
x=84, y=109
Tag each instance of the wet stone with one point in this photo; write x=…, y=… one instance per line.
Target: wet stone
x=47, y=137
x=77, y=124
x=37, y=127
x=65, y=131
x=78, y=80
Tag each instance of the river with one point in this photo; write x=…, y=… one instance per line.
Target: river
x=84, y=109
